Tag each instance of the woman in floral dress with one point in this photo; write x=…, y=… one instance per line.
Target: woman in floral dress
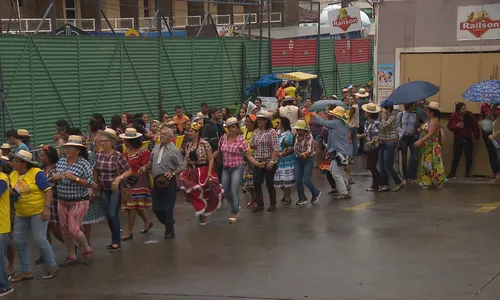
x=285, y=176
x=431, y=169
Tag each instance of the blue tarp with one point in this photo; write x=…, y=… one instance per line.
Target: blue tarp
x=264, y=81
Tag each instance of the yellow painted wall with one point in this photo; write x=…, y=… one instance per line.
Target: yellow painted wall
x=238, y=9
x=180, y=8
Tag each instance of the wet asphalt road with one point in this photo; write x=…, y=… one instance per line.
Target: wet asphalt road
x=415, y=244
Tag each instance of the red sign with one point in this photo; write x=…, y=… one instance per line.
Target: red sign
x=480, y=27
x=345, y=23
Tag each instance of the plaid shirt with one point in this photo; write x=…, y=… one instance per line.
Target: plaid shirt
x=388, y=127
x=466, y=131
x=69, y=190
x=109, y=167
x=487, y=112
x=304, y=143
x=264, y=143
x=232, y=154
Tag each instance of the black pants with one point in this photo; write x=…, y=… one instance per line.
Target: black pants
x=467, y=144
x=164, y=203
x=258, y=177
x=492, y=152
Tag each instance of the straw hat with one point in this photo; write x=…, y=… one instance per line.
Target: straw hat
x=5, y=146
x=75, y=140
x=171, y=123
x=231, y=121
x=371, y=108
x=195, y=126
x=362, y=93
x=433, y=105
x=288, y=98
x=334, y=97
x=23, y=132
x=301, y=125
x=130, y=133
x=345, y=90
x=110, y=133
x=265, y=115
x=26, y=156
x=340, y=113
x=3, y=157
x=200, y=115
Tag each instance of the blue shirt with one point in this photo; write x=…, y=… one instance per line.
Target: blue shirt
x=408, y=122
x=41, y=181
x=20, y=147
x=338, y=132
x=3, y=187
x=68, y=190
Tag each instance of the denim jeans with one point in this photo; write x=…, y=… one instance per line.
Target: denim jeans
x=4, y=276
x=110, y=202
x=386, y=156
x=354, y=132
x=303, y=176
x=164, y=203
x=467, y=144
x=231, y=180
x=22, y=227
x=492, y=151
x=409, y=167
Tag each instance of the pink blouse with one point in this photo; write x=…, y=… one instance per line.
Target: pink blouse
x=232, y=154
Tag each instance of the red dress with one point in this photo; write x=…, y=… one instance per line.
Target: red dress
x=203, y=193
x=140, y=194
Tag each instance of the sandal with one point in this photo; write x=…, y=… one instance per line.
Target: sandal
x=70, y=261
x=127, y=238
x=51, y=274
x=342, y=196
x=112, y=248
x=144, y=231
x=21, y=278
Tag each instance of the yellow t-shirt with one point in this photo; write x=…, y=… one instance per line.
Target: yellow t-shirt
x=5, y=207
x=247, y=135
x=31, y=199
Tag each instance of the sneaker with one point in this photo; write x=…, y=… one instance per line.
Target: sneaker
x=452, y=176
x=315, y=200
x=332, y=192
x=6, y=291
x=301, y=202
x=385, y=188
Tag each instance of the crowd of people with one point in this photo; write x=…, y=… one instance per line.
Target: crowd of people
x=133, y=164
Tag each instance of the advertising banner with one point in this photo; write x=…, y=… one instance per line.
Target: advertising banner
x=385, y=81
x=344, y=20
x=478, y=22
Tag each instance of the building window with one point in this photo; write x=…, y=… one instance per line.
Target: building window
x=70, y=9
x=146, y=9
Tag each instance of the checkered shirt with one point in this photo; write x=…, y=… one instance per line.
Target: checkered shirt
x=109, y=167
x=232, y=154
x=71, y=190
x=264, y=143
x=388, y=127
x=304, y=143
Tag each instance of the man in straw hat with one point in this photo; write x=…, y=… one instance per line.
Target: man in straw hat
x=290, y=111
x=339, y=148
x=166, y=163
x=362, y=98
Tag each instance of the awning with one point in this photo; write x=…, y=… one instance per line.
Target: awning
x=297, y=76
x=264, y=81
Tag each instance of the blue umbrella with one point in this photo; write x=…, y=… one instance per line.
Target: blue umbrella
x=484, y=91
x=413, y=91
x=321, y=105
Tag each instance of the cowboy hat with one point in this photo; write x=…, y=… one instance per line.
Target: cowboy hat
x=3, y=157
x=433, y=105
x=340, y=113
x=5, y=146
x=231, y=121
x=109, y=133
x=362, y=93
x=301, y=125
x=371, y=108
x=75, y=140
x=23, y=132
x=265, y=115
x=161, y=181
x=25, y=156
x=130, y=133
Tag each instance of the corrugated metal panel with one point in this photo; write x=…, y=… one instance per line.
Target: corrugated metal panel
x=283, y=69
x=361, y=73
x=177, y=75
x=55, y=84
x=140, y=67
x=283, y=52
x=361, y=51
x=304, y=53
x=345, y=79
x=252, y=60
x=100, y=77
x=342, y=51
x=15, y=55
x=232, y=71
x=327, y=66
x=207, y=69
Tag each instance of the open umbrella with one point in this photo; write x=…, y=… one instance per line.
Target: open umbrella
x=413, y=91
x=484, y=91
x=322, y=104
